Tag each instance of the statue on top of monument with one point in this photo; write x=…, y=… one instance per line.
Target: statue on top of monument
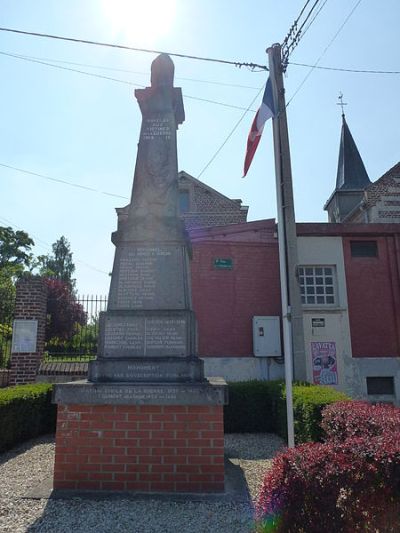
x=162, y=71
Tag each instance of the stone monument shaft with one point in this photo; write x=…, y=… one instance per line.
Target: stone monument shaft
x=149, y=321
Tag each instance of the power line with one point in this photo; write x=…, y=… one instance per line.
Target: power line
x=230, y=134
x=128, y=71
x=124, y=47
x=64, y=182
x=313, y=19
x=24, y=58
x=358, y=71
x=293, y=27
x=325, y=50
x=47, y=246
x=298, y=35
x=93, y=75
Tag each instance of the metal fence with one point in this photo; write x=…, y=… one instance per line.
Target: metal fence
x=6, y=319
x=72, y=328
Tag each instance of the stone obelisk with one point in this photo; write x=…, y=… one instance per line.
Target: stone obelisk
x=149, y=332
x=146, y=416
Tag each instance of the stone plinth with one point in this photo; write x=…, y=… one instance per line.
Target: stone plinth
x=148, y=438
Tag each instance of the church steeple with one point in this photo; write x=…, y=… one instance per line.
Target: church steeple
x=351, y=173
x=351, y=177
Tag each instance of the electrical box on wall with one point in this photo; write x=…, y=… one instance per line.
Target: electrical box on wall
x=266, y=336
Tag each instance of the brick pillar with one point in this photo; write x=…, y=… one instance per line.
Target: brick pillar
x=30, y=304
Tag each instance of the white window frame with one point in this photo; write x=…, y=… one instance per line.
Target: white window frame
x=316, y=283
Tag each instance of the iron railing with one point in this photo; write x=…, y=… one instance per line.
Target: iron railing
x=6, y=321
x=72, y=328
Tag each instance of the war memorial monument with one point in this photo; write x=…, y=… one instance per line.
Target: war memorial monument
x=146, y=420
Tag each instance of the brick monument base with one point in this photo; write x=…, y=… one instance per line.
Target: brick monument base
x=140, y=448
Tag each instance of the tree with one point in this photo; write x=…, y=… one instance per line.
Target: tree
x=63, y=311
x=59, y=264
x=15, y=257
x=7, y=296
x=14, y=250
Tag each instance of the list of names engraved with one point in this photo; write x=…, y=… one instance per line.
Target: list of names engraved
x=166, y=335
x=123, y=334
x=137, y=336
x=142, y=274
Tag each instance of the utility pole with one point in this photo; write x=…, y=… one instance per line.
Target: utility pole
x=292, y=316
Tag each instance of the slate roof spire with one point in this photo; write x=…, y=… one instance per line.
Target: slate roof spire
x=351, y=173
x=351, y=178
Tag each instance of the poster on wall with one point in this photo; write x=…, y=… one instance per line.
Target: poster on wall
x=324, y=363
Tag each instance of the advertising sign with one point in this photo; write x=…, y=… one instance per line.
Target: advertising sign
x=324, y=363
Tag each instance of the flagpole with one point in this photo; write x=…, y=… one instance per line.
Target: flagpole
x=286, y=227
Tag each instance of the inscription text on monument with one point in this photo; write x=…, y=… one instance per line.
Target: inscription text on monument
x=138, y=336
x=146, y=278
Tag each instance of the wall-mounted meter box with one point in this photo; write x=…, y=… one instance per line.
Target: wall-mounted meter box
x=266, y=336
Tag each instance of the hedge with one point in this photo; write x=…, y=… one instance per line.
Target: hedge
x=260, y=406
x=26, y=411
x=252, y=407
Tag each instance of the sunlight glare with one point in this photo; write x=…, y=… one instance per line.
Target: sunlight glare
x=140, y=21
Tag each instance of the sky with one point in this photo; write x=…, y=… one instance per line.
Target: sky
x=84, y=129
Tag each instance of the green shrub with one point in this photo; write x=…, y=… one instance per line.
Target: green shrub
x=260, y=406
x=308, y=403
x=252, y=406
x=5, y=344
x=26, y=411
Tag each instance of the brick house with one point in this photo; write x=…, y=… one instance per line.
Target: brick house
x=355, y=321
x=381, y=200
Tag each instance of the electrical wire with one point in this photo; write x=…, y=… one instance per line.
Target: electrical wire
x=131, y=48
x=93, y=75
x=129, y=71
x=45, y=245
x=293, y=27
x=313, y=19
x=297, y=37
x=338, y=69
x=325, y=50
x=64, y=182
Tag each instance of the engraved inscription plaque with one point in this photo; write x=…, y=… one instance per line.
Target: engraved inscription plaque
x=24, y=339
x=210, y=392
x=140, y=336
x=146, y=278
x=157, y=127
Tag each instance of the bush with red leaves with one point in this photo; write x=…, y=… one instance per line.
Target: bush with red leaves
x=336, y=486
x=63, y=311
x=342, y=420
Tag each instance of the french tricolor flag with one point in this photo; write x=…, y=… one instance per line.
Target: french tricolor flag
x=266, y=111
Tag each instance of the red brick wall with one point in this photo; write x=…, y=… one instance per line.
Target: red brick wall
x=226, y=300
x=373, y=293
x=30, y=303
x=140, y=448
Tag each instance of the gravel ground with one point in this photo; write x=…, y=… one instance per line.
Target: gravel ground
x=29, y=465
